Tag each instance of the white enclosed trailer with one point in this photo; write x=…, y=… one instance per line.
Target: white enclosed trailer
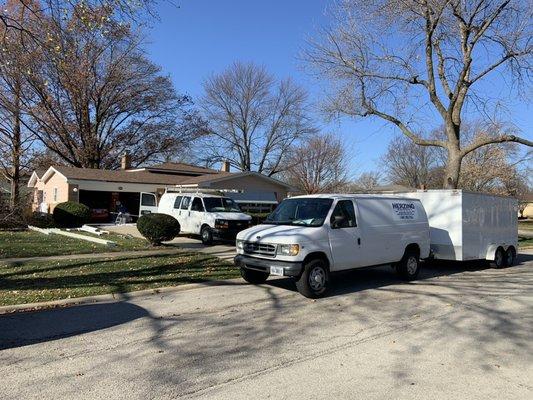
x=471, y=226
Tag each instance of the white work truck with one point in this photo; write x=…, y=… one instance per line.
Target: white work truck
x=471, y=226
x=211, y=216
x=307, y=237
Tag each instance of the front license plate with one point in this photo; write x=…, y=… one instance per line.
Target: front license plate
x=276, y=271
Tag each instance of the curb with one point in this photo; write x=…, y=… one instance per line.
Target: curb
x=111, y=297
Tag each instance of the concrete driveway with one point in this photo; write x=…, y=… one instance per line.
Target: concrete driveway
x=460, y=332
x=223, y=250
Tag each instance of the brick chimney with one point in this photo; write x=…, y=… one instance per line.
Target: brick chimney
x=125, y=161
x=225, y=166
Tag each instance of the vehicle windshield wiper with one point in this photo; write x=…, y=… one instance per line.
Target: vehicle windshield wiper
x=270, y=222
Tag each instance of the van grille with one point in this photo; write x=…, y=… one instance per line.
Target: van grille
x=259, y=248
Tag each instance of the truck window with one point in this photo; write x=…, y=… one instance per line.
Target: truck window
x=220, y=204
x=197, y=204
x=177, y=202
x=148, y=200
x=301, y=211
x=343, y=215
x=185, y=203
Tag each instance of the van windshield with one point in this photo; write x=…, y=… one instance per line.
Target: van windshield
x=220, y=204
x=302, y=211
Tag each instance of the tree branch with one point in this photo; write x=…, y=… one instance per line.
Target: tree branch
x=494, y=140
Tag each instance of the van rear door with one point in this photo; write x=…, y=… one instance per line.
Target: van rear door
x=148, y=203
x=344, y=236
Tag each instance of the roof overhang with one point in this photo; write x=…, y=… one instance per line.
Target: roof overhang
x=236, y=175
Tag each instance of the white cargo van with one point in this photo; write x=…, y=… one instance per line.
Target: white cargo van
x=471, y=226
x=210, y=216
x=308, y=237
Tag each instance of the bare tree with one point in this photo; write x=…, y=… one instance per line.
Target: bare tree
x=494, y=168
x=408, y=164
x=318, y=165
x=95, y=95
x=253, y=120
x=366, y=182
x=132, y=11
x=416, y=61
x=16, y=48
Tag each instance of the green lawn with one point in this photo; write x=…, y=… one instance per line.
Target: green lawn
x=35, y=244
x=523, y=242
x=44, y=281
x=526, y=225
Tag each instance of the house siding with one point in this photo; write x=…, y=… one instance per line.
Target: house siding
x=251, y=183
x=56, y=181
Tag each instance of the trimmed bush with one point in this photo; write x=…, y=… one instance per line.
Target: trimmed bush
x=157, y=228
x=258, y=218
x=71, y=215
x=42, y=220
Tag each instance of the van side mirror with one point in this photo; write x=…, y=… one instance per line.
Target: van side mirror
x=338, y=221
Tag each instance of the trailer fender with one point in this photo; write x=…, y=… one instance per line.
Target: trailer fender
x=491, y=251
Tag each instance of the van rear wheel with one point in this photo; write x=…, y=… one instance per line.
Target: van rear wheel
x=409, y=266
x=313, y=282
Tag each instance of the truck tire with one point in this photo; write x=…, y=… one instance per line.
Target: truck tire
x=207, y=235
x=409, y=266
x=255, y=277
x=313, y=282
x=510, y=256
x=499, y=258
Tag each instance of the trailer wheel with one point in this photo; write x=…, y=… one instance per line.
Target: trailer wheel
x=510, y=256
x=313, y=282
x=499, y=258
x=254, y=277
x=409, y=266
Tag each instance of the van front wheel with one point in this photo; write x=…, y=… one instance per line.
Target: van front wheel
x=409, y=267
x=207, y=235
x=313, y=282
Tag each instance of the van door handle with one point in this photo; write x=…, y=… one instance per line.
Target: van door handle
x=359, y=241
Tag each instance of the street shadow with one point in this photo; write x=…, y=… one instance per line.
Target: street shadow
x=345, y=282
x=22, y=329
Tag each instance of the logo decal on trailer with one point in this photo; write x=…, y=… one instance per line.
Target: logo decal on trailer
x=404, y=211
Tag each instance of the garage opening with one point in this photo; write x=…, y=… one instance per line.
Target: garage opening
x=105, y=206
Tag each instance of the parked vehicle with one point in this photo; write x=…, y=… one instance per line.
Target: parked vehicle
x=211, y=216
x=309, y=237
x=471, y=226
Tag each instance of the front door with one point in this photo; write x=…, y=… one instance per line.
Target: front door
x=344, y=237
x=196, y=215
x=184, y=215
x=148, y=204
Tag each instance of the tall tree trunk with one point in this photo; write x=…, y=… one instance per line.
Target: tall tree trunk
x=452, y=169
x=16, y=152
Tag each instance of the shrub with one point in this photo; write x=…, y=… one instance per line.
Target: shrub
x=157, y=228
x=71, y=215
x=258, y=218
x=42, y=220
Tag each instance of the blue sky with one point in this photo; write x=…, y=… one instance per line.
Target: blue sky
x=202, y=37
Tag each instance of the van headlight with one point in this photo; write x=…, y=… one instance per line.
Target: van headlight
x=221, y=224
x=240, y=244
x=288, y=249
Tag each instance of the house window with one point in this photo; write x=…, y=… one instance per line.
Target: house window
x=55, y=195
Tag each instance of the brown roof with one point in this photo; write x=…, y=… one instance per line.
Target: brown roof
x=182, y=167
x=526, y=197
x=119, y=176
x=144, y=176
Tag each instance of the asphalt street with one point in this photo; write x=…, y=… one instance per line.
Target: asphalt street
x=463, y=331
